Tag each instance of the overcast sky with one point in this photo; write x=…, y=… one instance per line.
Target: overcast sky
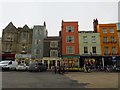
x=35, y=13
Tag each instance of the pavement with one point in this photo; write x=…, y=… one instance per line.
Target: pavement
x=95, y=79
x=22, y=79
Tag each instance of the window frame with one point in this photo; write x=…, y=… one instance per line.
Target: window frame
x=111, y=29
x=68, y=39
x=104, y=30
x=86, y=50
x=55, y=44
x=94, y=49
x=53, y=55
x=68, y=28
x=68, y=51
x=85, y=39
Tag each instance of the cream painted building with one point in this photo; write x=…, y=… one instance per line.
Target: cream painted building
x=89, y=43
x=90, y=48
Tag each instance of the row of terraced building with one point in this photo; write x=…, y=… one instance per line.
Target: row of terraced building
x=72, y=48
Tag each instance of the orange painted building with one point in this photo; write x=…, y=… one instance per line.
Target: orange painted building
x=109, y=39
x=70, y=44
x=71, y=33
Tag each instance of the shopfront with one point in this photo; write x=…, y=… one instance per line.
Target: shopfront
x=111, y=60
x=71, y=62
x=51, y=62
x=91, y=60
x=23, y=58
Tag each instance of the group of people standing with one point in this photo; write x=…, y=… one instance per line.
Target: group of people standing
x=59, y=69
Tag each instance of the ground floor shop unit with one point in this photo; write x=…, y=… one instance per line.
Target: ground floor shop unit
x=111, y=60
x=50, y=62
x=7, y=56
x=92, y=60
x=71, y=62
x=23, y=58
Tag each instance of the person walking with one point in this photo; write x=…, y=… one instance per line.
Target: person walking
x=59, y=70
x=87, y=67
x=63, y=69
x=55, y=69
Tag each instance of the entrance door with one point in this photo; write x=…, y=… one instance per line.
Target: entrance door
x=52, y=64
x=46, y=62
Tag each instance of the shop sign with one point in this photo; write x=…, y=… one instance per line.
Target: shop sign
x=23, y=56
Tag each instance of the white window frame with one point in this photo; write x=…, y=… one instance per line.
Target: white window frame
x=112, y=38
x=51, y=53
x=106, y=51
x=68, y=51
x=94, y=39
x=114, y=50
x=68, y=39
x=93, y=50
x=105, y=39
x=68, y=28
x=55, y=44
x=112, y=30
x=104, y=30
x=85, y=39
x=84, y=50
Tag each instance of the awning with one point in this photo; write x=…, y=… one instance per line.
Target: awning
x=71, y=56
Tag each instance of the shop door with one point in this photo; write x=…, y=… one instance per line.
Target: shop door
x=46, y=62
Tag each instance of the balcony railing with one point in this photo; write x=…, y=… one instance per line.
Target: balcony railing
x=115, y=53
x=106, y=42
x=113, y=41
x=107, y=53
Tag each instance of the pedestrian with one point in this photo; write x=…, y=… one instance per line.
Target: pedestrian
x=55, y=69
x=87, y=67
x=59, y=70
x=63, y=69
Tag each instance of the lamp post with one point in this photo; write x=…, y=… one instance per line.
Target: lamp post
x=59, y=57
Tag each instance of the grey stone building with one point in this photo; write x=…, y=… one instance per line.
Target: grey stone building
x=16, y=42
x=9, y=39
x=24, y=44
x=52, y=51
x=24, y=40
x=39, y=33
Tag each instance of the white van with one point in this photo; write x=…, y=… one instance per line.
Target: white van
x=8, y=65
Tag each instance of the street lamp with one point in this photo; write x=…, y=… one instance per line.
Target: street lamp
x=59, y=57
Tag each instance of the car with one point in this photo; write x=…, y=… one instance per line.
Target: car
x=8, y=65
x=37, y=66
x=22, y=66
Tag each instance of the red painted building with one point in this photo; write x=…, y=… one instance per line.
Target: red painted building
x=70, y=45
